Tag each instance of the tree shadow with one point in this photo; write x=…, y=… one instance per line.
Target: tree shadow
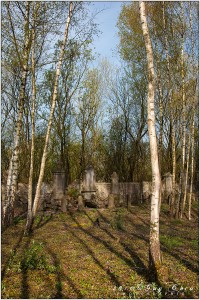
x=96, y=260
x=100, y=224
x=13, y=253
x=132, y=263
x=142, y=236
x=25, y=285
x=59, y=276
x=43, y=221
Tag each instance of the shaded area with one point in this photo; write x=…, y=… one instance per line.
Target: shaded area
x=12, y=254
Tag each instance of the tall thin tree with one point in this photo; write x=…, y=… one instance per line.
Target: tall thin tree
x=154, y=247
x=8, y=207
x=53, y=104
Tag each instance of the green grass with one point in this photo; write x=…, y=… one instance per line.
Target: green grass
x=171, y=241
x=69, y=257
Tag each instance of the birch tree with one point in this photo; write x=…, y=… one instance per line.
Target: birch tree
x=154, y=247
x=170, y=94
x=31, y=218
x=33, y=62
x=8, y=208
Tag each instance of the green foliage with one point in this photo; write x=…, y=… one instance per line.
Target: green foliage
x=117, y=221
x=194, y=244
x=171, y=241
x=34, y=259
x=73, y=192
x=18, y=220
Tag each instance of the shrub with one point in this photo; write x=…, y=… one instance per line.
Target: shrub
x=34, y=258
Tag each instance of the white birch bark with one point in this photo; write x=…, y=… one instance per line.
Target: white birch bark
x=45, y=151
x=154, y=250
x=30, y=185
x=193, y=124
x=182, y=173
x=8, y=207
x=186, y=178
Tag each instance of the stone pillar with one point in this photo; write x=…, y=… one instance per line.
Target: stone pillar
x=64, y=204
x=115, y=184
x=80, y=203
x=111, y=201
x=128, y=199
x=168, y=183
x=146, y=190
x=89, y=180
x=59, y=189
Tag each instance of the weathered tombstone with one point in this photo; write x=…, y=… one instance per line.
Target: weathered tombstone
x=64, y=204
x=89, y=187
x=89, y=179
x=129, y=200
x=115, y=184
x=146, y=190
x=167, y=182
x=80, y=203
x=59, y=189
x=111, y=201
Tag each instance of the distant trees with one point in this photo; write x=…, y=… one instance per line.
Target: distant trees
x=99, y=115
x=172, y=44
x=40, y=21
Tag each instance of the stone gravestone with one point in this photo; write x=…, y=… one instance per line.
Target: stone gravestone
x=89, y=187
x=115, y=183
x=113, y=198
x=59, y=190
x=80, y=203
x=167, y=185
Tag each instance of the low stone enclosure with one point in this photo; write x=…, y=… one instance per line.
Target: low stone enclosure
x=90, y=193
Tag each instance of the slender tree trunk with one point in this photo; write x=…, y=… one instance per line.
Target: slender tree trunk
x=170, y=96
x=30, y=185
x=45, y=151
x=8, y=208
x=154, y=249
x=182, y=173
x=192, y=171
x=186, y=179
x=193, y=124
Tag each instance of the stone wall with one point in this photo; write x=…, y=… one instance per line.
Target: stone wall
x=89, y=193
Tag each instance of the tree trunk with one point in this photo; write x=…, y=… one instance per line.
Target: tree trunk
x=186, y=179
x=154, y=249
x=170, y=95
x=182, y=173
x=53, y=104
x=193, y=124
x=8, y=207
x=30, y=185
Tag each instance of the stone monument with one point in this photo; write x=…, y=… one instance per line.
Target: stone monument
x=89, y=186
x=59, y=183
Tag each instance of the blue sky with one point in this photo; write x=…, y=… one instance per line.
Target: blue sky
x=108, y=40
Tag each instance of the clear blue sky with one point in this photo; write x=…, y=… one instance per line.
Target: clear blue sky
x=108, y=40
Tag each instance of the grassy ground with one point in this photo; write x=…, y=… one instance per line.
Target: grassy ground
x=69, y=256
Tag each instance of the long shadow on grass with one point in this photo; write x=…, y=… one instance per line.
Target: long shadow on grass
x=105, y=220
x=96, y=260
x=60, y=274
x=135, y=263
x=25, y=286
x=13, y=253
x=43, y=221
x=185, y=262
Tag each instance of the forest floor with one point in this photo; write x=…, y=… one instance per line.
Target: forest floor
x=70, y=256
